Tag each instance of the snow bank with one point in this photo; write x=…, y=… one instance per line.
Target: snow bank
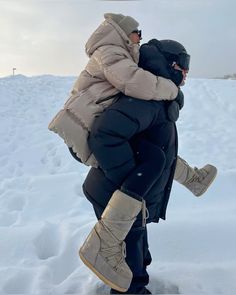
x=44, y=216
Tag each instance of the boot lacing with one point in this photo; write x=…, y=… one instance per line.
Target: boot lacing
x=198, y=176
x=114, y=252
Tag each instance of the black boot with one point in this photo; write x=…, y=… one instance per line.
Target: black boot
x=143, y=290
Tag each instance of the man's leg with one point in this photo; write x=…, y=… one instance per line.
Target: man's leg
x=137, y=257
x=137, y=252
x=103, y=249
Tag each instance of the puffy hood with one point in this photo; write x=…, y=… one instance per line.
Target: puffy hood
x=127, y=23
x=109, y=33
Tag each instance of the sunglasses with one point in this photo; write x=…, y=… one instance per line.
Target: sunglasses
x=139, y=32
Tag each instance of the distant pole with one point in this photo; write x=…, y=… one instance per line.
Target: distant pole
x=13, y=70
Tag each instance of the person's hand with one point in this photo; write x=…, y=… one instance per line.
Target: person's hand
x=175, y=106
x=180, y=99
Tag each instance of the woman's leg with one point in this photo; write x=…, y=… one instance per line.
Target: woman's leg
x=111, y=132
x=109, y=141
x=151, y=162
x=194, y=179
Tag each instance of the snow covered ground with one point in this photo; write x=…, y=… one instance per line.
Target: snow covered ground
x=44, y=216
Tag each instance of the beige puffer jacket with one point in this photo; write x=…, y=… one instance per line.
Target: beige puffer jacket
x=112, y=69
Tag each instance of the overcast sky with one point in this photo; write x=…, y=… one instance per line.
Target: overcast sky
x=48, y=36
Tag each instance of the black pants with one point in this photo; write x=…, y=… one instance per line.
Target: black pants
x=138, y=258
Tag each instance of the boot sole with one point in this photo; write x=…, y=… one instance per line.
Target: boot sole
x=203, y=191
x=101, y=277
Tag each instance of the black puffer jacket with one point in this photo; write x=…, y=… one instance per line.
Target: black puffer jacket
x=98, y=189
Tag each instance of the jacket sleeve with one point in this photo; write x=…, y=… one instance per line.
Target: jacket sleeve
x=125, y=75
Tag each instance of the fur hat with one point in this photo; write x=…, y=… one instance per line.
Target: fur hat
x=126, y=23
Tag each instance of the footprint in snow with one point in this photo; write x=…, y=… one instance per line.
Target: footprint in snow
x=13, y=202
x=47, y=243
x=19, y=283
x=8, y=218
x=161, y=287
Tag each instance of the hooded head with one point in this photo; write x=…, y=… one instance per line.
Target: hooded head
x=126, y=23
x=115, y=30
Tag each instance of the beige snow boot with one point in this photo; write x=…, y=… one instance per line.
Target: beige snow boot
x=104, y=249
x=194, y=179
